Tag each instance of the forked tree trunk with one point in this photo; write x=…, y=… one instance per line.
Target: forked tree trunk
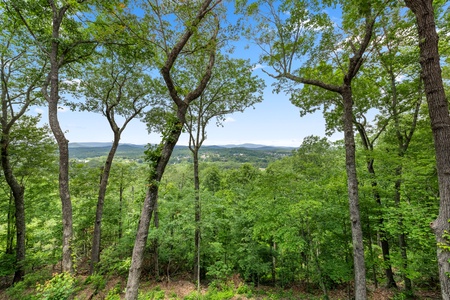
x=168, y=144
x=440, y=126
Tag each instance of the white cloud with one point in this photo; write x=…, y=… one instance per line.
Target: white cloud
x=258, y=66
x=229, y=120
x=39, y=110
x=72, y=81
x=63, y=109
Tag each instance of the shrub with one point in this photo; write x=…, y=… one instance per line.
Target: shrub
x=60, y=287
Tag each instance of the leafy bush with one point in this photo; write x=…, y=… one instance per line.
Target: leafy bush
x=114, y=293
x=7, y=264
x=193, y=296
x=113, y=262
x=155, y=294
x=19, y=289
x=219, y=270
x=97, y=281
x=60, y=287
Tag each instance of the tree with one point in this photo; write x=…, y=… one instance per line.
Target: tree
x=197, y=20
x=116, y=83
x=30, y=151
x=284, y=39
x=232, y=88
x=61, y=50
x=21, y=73
x=440, y=125
x=401, y=103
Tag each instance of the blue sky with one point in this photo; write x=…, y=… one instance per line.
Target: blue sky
x=275, y=121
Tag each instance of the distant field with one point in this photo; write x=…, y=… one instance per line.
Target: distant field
x=258, y=155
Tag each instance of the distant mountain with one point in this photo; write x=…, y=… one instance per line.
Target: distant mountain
x=258, y=155
x=246, y=145
x=98, y=144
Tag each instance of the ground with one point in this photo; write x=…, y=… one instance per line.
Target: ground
x=182, y=288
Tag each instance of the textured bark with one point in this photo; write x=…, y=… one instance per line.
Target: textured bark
x=63, y=144
x=440, y=125
x=150, y=201
x=353, y=197
x=96, y=238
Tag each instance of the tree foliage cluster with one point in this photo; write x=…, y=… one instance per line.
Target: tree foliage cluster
x=350, y=213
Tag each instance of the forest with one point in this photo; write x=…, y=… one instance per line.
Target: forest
x=363, y=217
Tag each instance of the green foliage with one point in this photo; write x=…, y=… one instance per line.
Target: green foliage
x=113, y=262
x=219, y=271
x=60, y=287
x=114, y=293
x=7, y=262
x=155, y=294
x=97, y=281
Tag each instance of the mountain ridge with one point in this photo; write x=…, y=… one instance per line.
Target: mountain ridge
x=226, y=146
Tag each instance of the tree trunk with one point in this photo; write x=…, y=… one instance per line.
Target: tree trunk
x=352, y=183
x=372, y=257
x=96, y=239
x=120, y=221
x=440, y=125
x=10, y=230
x=402, y=235
x=18, y=194
x=148, y=207
x=63, y=143
x=382, y=233
x=197, y=218
x=156, y=243
x=64, y=194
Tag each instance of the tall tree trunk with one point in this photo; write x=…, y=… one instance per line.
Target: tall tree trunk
x=440, y=125
x=402, y=235
x=156, y=243
x=18, y=194
x=121, y=188
x=382, y=233
x=148, y=207
x=96, y=238
x=372, y=257
x=352, y=184
x=10, y=229
x=63, y=144
x=197, y=217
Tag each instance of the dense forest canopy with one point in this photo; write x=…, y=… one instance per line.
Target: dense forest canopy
x=368, y=212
